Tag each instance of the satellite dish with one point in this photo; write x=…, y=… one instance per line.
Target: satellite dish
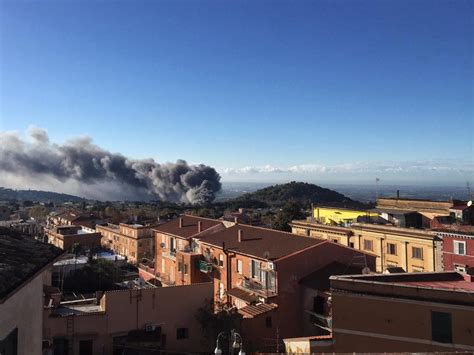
x=162, y=245
x=469, y=204
x=366, y=270
x=266, y=255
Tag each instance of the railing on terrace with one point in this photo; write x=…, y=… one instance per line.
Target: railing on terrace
x=258, y=288
x=147, y=268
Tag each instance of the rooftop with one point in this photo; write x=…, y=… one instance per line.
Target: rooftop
x=20, y=258
x=186, y=226
x=319, y=279
x=251, y=311
x=260, y=242
x=445, y=287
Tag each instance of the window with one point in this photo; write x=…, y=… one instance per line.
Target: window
x=172, y=245
x=180, y=266
x=85, y=347
x=182, y=333
x=221, y=290
x=9, y=345
x=318, y=304
x=368, y=244
x=417, y=253
x=163, y=266
x=351, y=244
x=391, y=249
x=441, y=327
x=268, y=322
x=335, y=240
x=460, y=268
x=221, y=260
x=163, y=240
x=239, y=266
x=254, y=269
x=459, y=247
x=185, y=269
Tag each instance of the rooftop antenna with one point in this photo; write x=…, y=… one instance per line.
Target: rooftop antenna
x=468, y=187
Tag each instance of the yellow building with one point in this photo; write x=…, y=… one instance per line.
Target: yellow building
x=413, y=250
x=339, y=216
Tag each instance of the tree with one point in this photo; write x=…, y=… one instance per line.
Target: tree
x=38, y=212
x=291, y=211
x=216, y=318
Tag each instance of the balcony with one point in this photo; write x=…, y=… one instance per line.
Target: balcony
x=257, y=288
x=170, y=254
x=205, y=267
x=321, y=321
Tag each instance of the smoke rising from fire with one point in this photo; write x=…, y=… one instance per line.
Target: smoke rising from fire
x=79, y=160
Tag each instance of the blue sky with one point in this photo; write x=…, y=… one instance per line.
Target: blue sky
x=263, y=91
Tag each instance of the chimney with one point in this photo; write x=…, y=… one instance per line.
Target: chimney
x=180, y=222
x=236, y=220
x=240, y=235
x=199, y=226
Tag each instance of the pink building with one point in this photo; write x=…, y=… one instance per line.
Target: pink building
x=160, y=318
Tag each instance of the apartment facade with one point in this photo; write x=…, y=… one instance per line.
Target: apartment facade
x=156, y=319
x=259, y=271
x=66, y=236
x=133, y=241
x=458, y=247
x=176, y=254
x=418, y=312
x=412, y=249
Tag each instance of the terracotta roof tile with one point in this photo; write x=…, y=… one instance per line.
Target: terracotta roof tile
x=259, y=242
x=257, y=309
x=189, y=226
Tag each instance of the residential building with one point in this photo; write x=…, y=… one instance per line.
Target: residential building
x=411, y=312
x=240, y=216
x=69, y=218
x=26, y=268
x=5, y=213
x=462, y=213
x=340, y=216
x=412, y=249
x=66, y=236
x=412, y=213
x=458, y=247
x=154, y=319
x=259, y=271
x=176, y=253
x=133, y=241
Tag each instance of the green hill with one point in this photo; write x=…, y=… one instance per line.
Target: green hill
x=35, y=195
x=303, y=193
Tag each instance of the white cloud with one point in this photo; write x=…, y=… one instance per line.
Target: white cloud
x=432, y=168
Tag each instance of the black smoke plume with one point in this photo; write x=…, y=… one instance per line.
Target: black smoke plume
x=82, y=161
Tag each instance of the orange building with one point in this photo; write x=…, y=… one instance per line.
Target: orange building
x=260, y=272
x=134, y=241
x=66, y=236
x=176, y=255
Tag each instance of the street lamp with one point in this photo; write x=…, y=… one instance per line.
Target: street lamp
x=235, y=342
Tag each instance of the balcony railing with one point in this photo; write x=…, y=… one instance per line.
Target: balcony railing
x=258, y=288
x=170, y=254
